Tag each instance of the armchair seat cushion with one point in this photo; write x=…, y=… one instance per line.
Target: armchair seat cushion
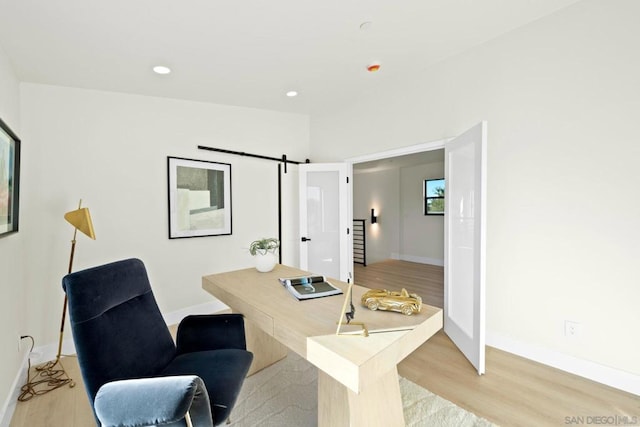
x=162, y=401
x=222, y=371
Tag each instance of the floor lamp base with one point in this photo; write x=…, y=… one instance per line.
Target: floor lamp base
x=55, y=377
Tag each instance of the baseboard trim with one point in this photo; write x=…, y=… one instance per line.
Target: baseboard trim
x=418, y=259
x=606, y=375
x=49, y=351
x=9, y=406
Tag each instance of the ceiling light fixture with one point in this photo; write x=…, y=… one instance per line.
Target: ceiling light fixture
x=161, y=69
x=292, y=93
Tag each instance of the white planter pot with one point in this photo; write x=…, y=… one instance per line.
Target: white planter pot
x=266, y=262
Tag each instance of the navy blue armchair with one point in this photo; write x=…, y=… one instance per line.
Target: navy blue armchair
x=119, y=334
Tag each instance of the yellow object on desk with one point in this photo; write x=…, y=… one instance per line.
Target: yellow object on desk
x=402, y=301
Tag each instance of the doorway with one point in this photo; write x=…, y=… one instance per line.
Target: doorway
x=394, y=189
x=464, y=236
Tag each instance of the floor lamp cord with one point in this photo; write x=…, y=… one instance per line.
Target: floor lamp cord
x=48, y=376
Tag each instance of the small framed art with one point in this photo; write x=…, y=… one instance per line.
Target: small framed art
x=9, y=180
x=199, y=198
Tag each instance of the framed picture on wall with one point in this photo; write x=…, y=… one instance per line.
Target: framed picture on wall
x=199, y=198
x=9, y=180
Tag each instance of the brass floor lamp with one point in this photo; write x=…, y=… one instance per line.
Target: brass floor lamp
x=50, y=376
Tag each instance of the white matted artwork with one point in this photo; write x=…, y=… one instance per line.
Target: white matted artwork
x=199, y=198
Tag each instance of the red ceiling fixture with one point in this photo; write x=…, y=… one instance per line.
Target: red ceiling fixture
x=372, y=68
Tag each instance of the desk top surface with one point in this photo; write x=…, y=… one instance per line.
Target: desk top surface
x=265, y=301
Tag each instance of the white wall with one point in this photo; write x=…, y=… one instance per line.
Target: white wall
x=379, y=190
x=562, y=99
x=12, y=260
x=111, y=150
x=422, y=236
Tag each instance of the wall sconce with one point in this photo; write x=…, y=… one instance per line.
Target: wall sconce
x=374, y=217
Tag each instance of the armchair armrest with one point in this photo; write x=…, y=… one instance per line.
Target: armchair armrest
x=211, y=332
x=153, y=401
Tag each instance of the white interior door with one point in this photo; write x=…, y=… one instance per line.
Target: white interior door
x=325, y=219
x=464, y=255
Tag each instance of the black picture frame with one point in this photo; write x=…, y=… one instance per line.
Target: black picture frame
x=199, y=198
x=9, y=180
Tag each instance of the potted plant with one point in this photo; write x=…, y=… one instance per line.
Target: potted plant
x=265, y=252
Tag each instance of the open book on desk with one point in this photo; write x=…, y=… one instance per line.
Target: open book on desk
x=308, y=287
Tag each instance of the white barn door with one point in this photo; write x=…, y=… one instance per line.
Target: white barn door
x=326, y=219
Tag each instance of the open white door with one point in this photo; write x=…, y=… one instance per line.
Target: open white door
x=326, y=219
x=464, y=254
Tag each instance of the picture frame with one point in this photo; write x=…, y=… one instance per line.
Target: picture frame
x=199, y=198
x=9, y=180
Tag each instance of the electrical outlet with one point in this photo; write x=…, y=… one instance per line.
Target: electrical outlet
x=572, y=329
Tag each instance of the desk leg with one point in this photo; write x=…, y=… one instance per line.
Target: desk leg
x=378, y=404
x=266, y=349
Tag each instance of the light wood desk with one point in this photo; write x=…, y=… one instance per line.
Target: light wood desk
x=358, y=376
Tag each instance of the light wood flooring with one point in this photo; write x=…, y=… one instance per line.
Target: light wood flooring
x=513, y=392
x=63, y=407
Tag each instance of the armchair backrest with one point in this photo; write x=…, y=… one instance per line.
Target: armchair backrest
x=118, y=330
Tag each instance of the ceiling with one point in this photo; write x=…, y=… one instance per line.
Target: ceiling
x=399, y=162
x=248, y=52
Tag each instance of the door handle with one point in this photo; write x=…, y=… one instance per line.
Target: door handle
x=305, y=239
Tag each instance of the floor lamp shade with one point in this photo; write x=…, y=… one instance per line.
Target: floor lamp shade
x=81, y=219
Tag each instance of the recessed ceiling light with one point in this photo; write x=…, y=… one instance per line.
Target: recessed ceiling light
x=161, y=69
x=292, y=93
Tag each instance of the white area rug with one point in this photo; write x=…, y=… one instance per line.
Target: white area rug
x=286, y=394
